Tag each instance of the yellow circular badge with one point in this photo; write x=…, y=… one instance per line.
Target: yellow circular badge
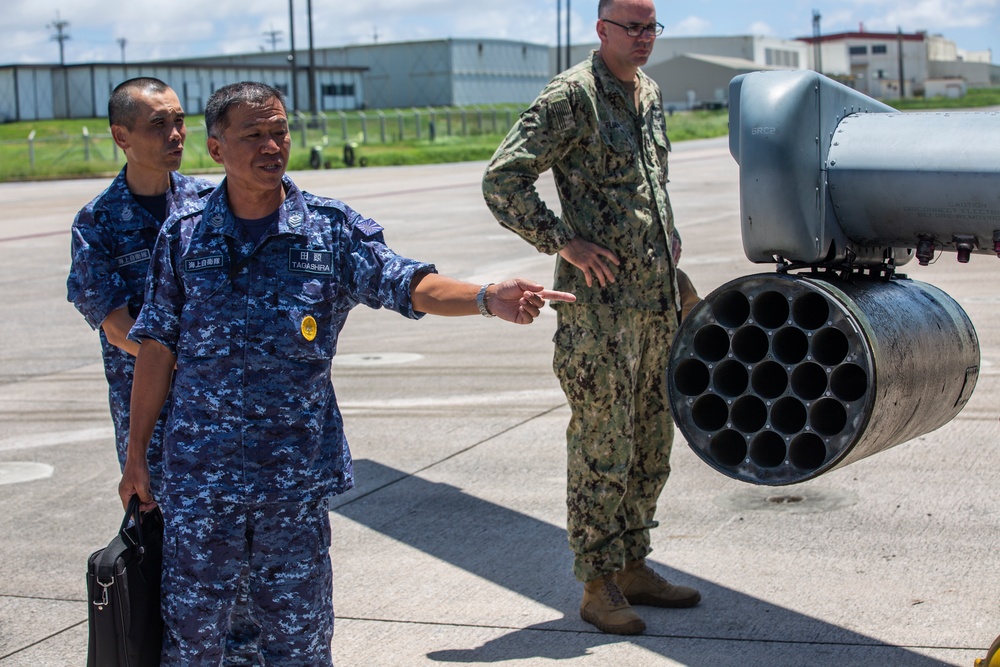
x=308, y=327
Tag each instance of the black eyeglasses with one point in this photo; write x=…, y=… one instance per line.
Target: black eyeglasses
x=655, y=29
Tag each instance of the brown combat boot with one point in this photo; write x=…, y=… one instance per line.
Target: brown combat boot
x=642, y=586
x=606, y=608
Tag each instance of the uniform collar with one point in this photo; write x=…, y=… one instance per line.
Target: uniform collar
x=293, y=217
x=610, y=82
x=132, y=209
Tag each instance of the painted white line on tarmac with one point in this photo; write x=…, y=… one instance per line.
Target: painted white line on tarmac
x=15, y=472
x=534, y=398
x=57, y=438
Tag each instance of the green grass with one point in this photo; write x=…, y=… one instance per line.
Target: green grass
x=385, y=137
x=974, y=98
x=460, y=135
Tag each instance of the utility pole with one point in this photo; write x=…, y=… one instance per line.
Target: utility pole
x=559, y=66
x=902, y=84
x=312, y=61
x=291, y=54
x=60, y=36
x=121, y=43
x=817, y=43
x=272, y=36
x=568, y=56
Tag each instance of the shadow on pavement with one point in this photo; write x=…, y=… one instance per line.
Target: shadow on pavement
x=531, y=558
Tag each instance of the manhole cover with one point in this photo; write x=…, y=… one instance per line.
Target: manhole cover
x=802, y=501
x=376, y=358
x=15, y=472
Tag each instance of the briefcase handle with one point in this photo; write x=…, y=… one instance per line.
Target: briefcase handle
x=119, y=546
x=132, y=512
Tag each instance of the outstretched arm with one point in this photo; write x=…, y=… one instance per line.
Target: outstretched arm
x=516, y=300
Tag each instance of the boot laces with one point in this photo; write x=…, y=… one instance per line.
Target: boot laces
x=614, y=593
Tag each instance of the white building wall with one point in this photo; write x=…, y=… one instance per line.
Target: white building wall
x=875, y=65
x=498, y=72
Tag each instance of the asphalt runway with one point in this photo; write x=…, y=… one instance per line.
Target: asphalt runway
x=452, y=548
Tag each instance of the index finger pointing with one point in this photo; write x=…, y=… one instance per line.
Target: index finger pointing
x=553, y=295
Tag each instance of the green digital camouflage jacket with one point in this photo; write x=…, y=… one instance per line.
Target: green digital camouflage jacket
x=610, y=168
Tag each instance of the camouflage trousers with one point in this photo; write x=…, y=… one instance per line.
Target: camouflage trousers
x=612, y=367
x=282, y=553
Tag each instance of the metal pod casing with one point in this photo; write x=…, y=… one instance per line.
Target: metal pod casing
x=776, y=379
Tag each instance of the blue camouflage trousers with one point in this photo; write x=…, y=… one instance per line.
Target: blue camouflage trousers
x=612, y=364
x=277, y=554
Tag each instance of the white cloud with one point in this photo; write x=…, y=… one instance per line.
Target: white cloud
x=936, y=15
x=760, y=28
x=692, y=25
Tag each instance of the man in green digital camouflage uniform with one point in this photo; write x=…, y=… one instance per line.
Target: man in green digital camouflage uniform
x=600, y=127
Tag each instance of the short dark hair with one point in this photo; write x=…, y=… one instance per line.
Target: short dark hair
x=225, y=98
x=603, y=6
x=123, y=109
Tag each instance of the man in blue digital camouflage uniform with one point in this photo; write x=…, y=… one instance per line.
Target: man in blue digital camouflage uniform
x=247, y=295
x=599, y=126
x=113, y=235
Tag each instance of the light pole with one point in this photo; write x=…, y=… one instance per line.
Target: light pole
x=817, y=43
x=312, y=61
x=60, y=36
x=291, y=54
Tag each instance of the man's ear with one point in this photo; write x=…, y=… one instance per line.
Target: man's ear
x=214, y=149
x=602, y=31
x=120, y=136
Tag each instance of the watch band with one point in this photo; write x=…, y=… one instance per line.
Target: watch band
x=484, y=310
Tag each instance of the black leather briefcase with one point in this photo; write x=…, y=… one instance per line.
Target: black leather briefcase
x=123, y=589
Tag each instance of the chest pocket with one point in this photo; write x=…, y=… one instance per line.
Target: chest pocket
x=619, y=154
x=133, y=250
x=206, y=331
x=308, y=319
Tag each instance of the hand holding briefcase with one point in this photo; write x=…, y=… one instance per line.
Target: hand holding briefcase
x=123, y=589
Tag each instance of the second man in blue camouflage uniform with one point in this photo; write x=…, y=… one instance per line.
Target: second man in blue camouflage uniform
x=113, y=235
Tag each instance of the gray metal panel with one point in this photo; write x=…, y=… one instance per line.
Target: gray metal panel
x=785, y=122
x=8, y=94
x=895, y=178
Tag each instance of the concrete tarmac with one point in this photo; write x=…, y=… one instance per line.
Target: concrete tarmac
x=452, y=548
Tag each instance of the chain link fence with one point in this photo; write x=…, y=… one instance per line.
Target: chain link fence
x=327, y=140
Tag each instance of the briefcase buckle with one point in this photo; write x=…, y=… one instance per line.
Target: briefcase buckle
x=103, y=602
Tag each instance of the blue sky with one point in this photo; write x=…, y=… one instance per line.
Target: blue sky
x=183, y=28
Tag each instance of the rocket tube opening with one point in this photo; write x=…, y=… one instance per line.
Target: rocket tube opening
x=728, y=448
x=731, y=309
x=731, y=378
x=691, y=377
x=807, y=451
x=849, y=382
x=768, y=450
x=810, y=311
x=749, y=414
x=770, y=310
x=750, y=344
x=769, y=379
x=711, y=343
x=830, y=346
x=790, y=345
x=828, y=417
x=809, y=381
x=709, y=413
x=788, y=415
